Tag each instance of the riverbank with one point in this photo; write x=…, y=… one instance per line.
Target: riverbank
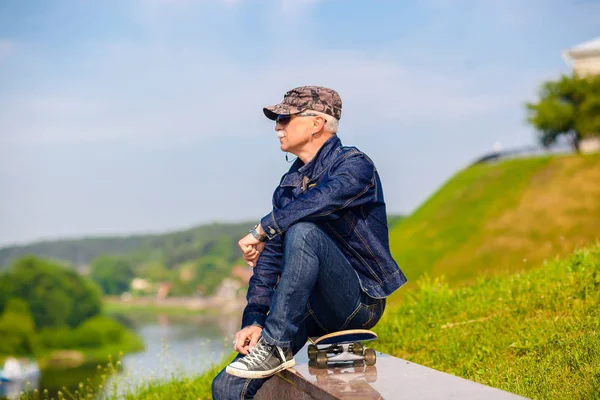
x=175, y=305
x=58, y=359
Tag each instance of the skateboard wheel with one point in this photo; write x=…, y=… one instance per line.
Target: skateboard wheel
x=312, y=352
x=370, y=357
x=357, y=348
x=321, y=359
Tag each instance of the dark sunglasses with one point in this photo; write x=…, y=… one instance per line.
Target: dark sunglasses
x=285, y=119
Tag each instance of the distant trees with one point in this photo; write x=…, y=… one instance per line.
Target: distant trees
x=568, y=106
x=112, y=273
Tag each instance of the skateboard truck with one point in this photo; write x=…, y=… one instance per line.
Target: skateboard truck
x=342, y=346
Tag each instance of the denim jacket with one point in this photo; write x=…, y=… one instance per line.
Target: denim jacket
x=339, y=190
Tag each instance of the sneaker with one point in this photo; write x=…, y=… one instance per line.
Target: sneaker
x=263, y=361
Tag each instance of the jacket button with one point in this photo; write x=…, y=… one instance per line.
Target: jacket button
x=272, y=231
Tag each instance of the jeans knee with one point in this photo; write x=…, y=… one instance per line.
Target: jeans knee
x=299, y=233
x=220, y=386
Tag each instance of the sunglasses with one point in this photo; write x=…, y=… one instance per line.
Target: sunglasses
x=285, y=119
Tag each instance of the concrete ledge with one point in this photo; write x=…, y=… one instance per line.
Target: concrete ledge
x=390, y=378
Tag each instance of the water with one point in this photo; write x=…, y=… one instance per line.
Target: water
x=179, y=346
x=174, y=346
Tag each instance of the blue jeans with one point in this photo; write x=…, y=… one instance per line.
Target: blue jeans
x=318, y=292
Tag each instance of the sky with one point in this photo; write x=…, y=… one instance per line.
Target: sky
x=123, y=117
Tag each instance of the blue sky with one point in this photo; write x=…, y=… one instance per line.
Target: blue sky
x=132, y=116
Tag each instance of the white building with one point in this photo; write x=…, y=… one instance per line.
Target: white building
x=584, y=58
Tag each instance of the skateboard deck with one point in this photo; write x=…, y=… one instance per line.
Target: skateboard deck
x=342, y=346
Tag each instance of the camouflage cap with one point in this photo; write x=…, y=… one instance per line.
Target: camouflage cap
x=303, y=98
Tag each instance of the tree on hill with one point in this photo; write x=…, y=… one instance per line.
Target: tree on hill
x=569, y=106
x=112, y=273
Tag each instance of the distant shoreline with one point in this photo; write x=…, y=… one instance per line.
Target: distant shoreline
x=174, y=305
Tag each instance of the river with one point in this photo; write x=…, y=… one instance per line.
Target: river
x=174, y=345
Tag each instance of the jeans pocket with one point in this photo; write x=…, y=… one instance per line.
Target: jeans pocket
x=366, y=315
x=374, y=313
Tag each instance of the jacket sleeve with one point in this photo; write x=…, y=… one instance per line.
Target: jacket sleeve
x=262, y=284
x=351, y=183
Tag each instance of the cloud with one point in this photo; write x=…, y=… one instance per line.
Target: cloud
x=163, y=94
x=182, y=87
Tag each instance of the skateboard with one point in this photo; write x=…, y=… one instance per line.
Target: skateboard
x=342, y=346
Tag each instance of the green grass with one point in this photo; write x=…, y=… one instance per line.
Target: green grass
x=491, y=218
x=534, y=333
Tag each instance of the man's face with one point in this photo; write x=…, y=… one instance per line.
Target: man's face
x=294, y=132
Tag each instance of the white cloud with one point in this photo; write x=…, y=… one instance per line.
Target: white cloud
x=165, y=93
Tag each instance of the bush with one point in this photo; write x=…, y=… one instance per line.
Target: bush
x=17, y=333
x=98, y=331
x=55, y=338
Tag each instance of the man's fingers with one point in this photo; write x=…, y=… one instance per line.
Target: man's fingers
x=241, y=341
x=254, y=339
x=246, y=249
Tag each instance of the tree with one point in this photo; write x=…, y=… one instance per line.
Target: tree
x=55, y=295
x=569, y=106
x=112, y=273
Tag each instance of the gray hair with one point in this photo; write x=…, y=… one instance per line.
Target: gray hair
x=332, y=123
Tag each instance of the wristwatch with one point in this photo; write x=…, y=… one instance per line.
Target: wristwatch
x=257, y=236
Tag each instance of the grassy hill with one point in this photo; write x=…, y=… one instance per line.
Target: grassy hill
x=502, y=217
x=535, y=333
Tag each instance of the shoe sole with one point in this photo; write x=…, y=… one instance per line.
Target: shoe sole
x=259, y=374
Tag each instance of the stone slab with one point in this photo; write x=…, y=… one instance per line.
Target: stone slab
x=389, y=378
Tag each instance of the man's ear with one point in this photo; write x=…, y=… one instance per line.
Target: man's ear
x=319, y=125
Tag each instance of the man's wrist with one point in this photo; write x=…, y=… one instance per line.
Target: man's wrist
x=258, y=233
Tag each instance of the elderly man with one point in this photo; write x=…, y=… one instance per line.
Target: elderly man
x=321, y=257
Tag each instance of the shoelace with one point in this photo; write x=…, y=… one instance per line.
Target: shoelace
x=254, y=357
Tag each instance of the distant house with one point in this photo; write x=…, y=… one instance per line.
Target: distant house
x=141, y=285
x=585, y=61
x=584, y=58
x=163, y=290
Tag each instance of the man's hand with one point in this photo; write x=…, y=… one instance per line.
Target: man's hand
x=246, y=339
x=251, y=248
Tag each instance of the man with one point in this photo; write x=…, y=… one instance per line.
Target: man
x=321, y=257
